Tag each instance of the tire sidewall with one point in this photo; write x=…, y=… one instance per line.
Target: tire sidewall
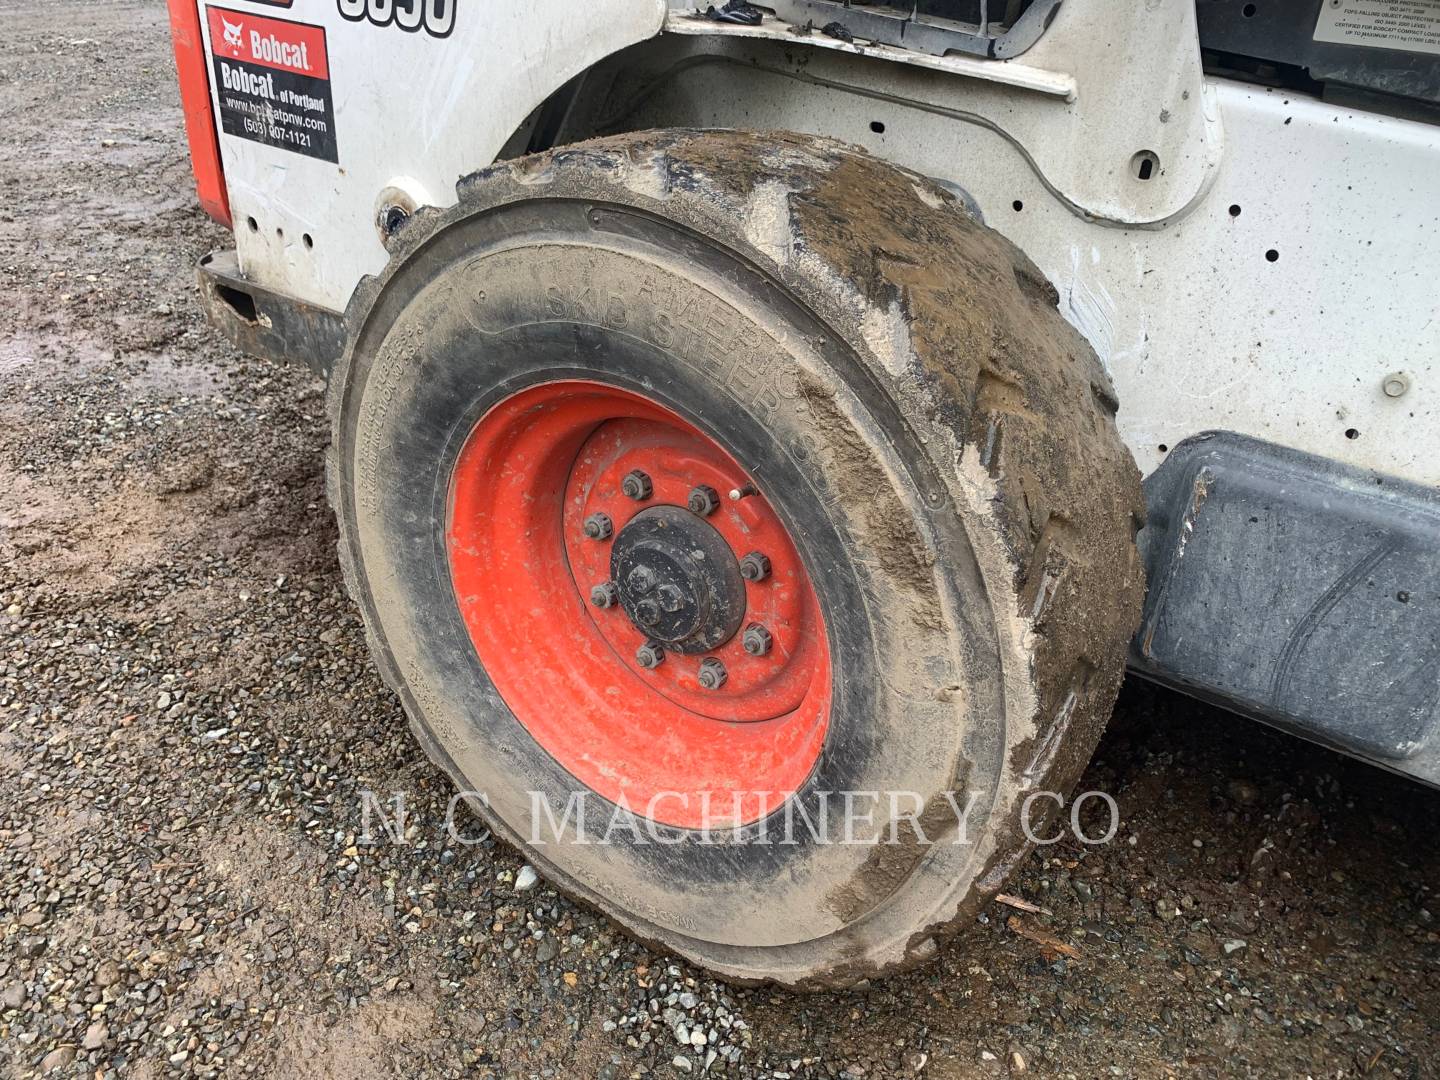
x=555, y=289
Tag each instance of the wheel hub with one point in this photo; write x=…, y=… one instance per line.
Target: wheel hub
x=678, y=580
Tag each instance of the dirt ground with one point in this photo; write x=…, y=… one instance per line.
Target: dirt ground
x=188, y=720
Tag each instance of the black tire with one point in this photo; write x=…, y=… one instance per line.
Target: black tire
x=939, y=440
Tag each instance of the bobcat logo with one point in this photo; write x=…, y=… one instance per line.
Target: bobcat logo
x=232, y=34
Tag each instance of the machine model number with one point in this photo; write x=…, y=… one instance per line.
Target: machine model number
x=435, y=17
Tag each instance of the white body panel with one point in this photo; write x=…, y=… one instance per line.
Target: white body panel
x=411, y=111
x=1198, y=328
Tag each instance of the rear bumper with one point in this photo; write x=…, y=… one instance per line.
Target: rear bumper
x=268, y=324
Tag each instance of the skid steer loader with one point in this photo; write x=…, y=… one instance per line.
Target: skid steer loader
x=740, y=411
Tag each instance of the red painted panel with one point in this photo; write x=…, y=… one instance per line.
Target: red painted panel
x=194, y=80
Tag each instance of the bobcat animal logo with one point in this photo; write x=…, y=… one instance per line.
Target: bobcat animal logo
x=232, y=33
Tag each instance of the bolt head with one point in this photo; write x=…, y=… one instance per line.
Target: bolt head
x=637, y=485
x=755, y=566
x=650, y=655
x=598, y=526
x=757, y=640
x=712, y=674
x=1396, y=384
x=704, y=500
x=604, y=595
x=640, y=580
x=647, y=613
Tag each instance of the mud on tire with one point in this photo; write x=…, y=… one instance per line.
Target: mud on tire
x=896, y=377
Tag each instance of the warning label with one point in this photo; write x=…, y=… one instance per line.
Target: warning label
x=272, y=78
x=1407, y=25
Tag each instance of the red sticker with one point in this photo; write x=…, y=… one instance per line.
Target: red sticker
x=273, y=43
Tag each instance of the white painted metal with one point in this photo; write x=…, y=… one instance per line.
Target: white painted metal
x=1198, y=327
x=1118, y=80
x=413, y=112
x=1008, y=72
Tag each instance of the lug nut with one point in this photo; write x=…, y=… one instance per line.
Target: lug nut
x=755, y=566
x=757, y=640
x=637, y=485
x=598, y=526
x=650, y=655
x=704, y=500
x=604, y=595
x=712, y=674
x=647, y=613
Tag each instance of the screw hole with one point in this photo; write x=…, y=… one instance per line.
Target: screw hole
x=1164, y=449
x=1144, y=164
x=1018, y=205
x=392, y=217
x=1248, y=11
x=308, y=240
x=1272, y=255
x=254, y=225
x=1351, y=433
x=279, y=232
x=1234, y=209
x=877, y=127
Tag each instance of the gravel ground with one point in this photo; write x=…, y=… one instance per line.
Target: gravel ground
x=188, y=720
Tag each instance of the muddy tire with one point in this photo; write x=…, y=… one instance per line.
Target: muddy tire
x=932, y=450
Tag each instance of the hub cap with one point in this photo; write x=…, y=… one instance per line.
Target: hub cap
x=676, y=738
x=678, y=580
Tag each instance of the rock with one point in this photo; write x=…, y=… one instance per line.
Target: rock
x=13, y=996
x=57, y=1059
x=1243, y=792
x=546, y=951
x=526, y=879
x=1017, y=1062
x=95, y=1036
x=1233, y=946
x=682, y=1063
x=107, y=974
x=916, y=1060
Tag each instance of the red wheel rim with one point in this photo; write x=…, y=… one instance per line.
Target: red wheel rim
x=530, y=473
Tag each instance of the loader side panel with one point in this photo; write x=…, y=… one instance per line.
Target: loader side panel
x=333, y=109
